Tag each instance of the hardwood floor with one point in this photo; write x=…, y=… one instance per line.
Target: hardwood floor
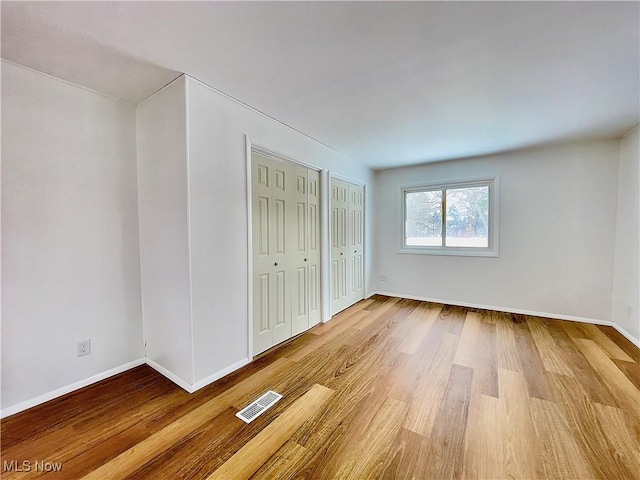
x=389, y=389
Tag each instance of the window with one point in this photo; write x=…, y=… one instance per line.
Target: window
x=457, y=218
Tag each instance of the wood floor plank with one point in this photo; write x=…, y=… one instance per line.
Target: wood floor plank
x=521, y=455
x=339, y=333
x=198, y=453
x=576, y=329
x=631, y=370
x=406, y=456
x=386, y=321
x=375, y=313
x=340, y=317
x=605, y=343
x=506, y=342
x=466, y=352
x=418, y=325
x=447, y=438
x=416, y=336
x=366, y=459
x=283, y=464
x=483, y=457
x=548, y=348
x=455, y=317
x=485, y=376
x=561, y=455
x=625, y=392
x=581, y=369
x=419, y=391
x=428, y=395
x=254, y=454
x=621, y=341
x=131, y=459
x=587, y=430
x=532, y=366
x=70, y=410
x=623, y=435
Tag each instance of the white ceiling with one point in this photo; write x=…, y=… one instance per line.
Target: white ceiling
x=386, y=83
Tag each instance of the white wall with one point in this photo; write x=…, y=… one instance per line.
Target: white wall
x=164, y=231
x=69, y=237
x=218, y=206
x=626, y=281
x=557, y=226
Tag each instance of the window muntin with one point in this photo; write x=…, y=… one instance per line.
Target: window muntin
x=455, y=218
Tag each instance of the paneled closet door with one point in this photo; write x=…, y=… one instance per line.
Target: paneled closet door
x=286, y=250
x=339, y=245
x=347, y=241
x=272, y=202
x=313, y=247
x=356, y=243
x=299, y=234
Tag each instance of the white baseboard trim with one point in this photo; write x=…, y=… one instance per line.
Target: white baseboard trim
x=556, y=316
x=192, y=387
x=182, y=383
x=12, y=410
x=626, y=334
x=219, y=374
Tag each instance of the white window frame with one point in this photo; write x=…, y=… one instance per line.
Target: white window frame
x=493, y=182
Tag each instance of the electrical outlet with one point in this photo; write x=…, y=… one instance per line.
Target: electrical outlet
x=84, y=347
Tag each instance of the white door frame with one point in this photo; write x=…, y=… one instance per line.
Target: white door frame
x=270, y=152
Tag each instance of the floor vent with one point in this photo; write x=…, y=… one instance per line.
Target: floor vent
x=257, y=408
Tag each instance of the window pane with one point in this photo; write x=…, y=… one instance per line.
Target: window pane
x=468, y=217
x=423, y=225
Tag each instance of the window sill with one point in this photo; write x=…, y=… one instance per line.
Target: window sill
x=451, y=251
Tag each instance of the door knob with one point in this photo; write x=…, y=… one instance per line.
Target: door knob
x=305, y=259
x=276, y=264
x=341, y=253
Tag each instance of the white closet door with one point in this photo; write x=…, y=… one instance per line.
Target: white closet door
x=286, y=250
x=339, y=245
x=313, y=247
x=299, y=234
x=272, y=203
x=356, y=243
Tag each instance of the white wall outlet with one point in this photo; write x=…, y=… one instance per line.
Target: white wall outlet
x=383, y=278
x=84, y=347
x=629, y=311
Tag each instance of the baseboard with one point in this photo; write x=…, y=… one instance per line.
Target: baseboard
x=219, y=374
x=192, y=387
x=556, y=316
x=626, y=334
x=123, y=368
x=181, y=382
x=5, y=412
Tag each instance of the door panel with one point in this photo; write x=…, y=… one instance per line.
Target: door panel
x=263, y=303
x=271, y=199
x=286, y=250
x=299, y=233
x=356, y=243
x=347, y=222
x=339, y=244
x=313, y=248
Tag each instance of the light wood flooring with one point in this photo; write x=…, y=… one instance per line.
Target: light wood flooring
x=389, y=389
